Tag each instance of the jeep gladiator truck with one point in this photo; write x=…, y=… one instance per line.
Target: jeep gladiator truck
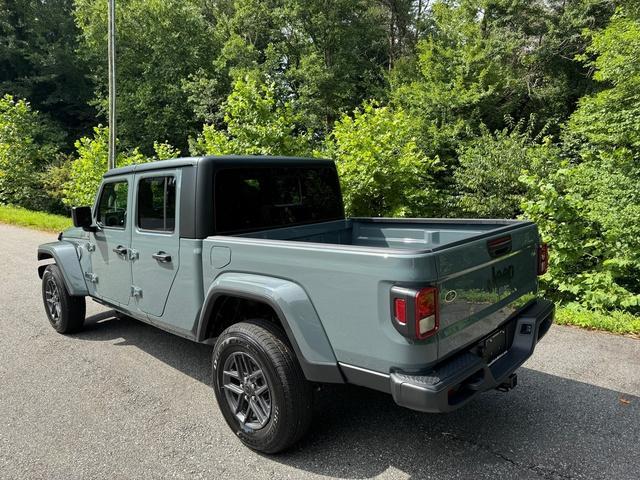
x=255, y=256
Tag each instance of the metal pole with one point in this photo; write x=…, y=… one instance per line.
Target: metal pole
x=112, y=84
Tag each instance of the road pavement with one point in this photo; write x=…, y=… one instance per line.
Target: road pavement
x=125, y=400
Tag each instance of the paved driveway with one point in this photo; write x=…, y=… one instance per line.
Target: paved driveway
x=126, y=400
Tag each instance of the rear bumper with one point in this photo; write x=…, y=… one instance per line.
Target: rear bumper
x=456, y=381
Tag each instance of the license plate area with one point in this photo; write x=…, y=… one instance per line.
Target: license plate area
x=494, y=345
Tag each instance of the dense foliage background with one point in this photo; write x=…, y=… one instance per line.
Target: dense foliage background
x=482, y=108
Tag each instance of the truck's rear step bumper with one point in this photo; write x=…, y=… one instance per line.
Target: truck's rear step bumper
x=453, y=383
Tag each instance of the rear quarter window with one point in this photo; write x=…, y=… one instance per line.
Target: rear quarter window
x=247, y=199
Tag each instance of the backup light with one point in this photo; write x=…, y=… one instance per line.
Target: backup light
x=426, y=311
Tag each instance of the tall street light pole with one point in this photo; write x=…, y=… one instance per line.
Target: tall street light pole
x=112, y=84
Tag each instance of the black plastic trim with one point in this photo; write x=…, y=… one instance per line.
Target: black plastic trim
x=500, y=246
x=188, y=202
x=366, y=378
x=326, y=372
x=467, y=374
x=429, y=392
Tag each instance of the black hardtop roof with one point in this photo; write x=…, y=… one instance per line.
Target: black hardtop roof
x=221, y=160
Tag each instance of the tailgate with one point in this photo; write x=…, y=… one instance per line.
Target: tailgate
x=482, y=282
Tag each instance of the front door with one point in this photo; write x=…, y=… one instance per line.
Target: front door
x=155, y=242
x=110, y=255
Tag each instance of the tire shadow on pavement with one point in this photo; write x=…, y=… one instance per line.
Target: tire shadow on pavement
x=548, y=427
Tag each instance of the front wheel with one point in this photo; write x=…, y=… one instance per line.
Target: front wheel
x=65, y=312
x=260, y=387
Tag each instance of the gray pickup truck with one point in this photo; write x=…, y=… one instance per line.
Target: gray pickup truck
x=255, y=256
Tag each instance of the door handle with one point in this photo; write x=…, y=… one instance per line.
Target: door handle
x=120, y=250
x=162, y=257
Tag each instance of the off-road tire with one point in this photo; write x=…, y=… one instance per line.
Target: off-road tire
x=70, y=314
x=290, y=394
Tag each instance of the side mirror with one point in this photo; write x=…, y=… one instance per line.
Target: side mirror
x=81, y=217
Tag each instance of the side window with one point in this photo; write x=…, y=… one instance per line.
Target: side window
x=112, y=208
x=157, y=204
x=248, y=199
x=286, y=189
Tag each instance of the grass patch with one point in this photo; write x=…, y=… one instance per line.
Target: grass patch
x=36, y=220
x=615, y=321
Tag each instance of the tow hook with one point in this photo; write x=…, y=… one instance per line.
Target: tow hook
x=508, y=384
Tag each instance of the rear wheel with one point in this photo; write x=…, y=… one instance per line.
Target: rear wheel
x=66, y=313
x=260, y=387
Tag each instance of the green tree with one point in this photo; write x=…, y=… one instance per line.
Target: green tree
x=38, y=61
x=82, y=176
x=482, y=61
x=255, y=122
x=610, y=118
x=382, y=170
x=324, y=57
x=160, y=43
x=487, y=182
x=589, y=211
x=28, y=145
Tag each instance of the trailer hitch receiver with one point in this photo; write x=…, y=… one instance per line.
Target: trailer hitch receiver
x=508, y=384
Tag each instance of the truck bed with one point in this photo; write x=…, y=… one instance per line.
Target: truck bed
x=347, y=267
x=420, y=235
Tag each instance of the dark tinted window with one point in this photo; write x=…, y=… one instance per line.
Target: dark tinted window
x=112, y=208
x=157, y=204
x=259, y=198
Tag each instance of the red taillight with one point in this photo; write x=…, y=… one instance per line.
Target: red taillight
x=543, y=258
x=426, y=312
x=415, y=313
x=400, y=310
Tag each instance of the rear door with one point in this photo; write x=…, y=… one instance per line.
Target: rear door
x=482, y=282
x=109, y=246
x=155, y=241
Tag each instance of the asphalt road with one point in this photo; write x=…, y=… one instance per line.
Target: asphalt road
x=126, y=400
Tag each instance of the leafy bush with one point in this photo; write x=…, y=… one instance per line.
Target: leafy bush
x=85, y=173
x=487, y=180
x=589, y=211
x=590, y=215
x=54, y=180
x=28, y=145
x=382, y=170
x=255, y=123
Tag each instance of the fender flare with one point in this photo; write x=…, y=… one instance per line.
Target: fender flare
x=296, y=314
x=66, y=257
